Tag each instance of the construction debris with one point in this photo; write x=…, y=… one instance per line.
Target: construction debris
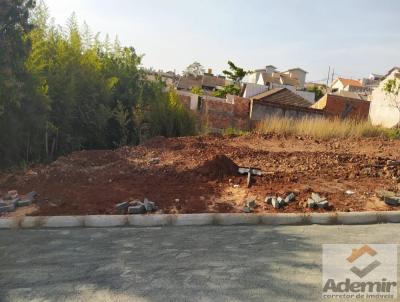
x=389, y=197
x=249, y=171
x=136, y=206
x=279, y=202
x=316, y=201
x=12, y=200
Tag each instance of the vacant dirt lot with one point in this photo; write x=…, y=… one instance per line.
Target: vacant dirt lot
x=187, y=179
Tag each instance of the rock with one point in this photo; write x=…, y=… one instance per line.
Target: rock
x=311, y=203
x=23, y=202
x=392, y=200
x=382, y=194
x=31, y=196
x=316, y=197
x=251, y=202
x=349, y=192
x=154, y=160
x=12, y=194
x=7, y=208
x=275, y=203
x=289, y=198
x=247, y=209
x=323, y=204
x=122, y=206
x=137, y=209
x=268, y=199
x=149, y=205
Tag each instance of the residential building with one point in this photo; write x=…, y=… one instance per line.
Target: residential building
x=383, y=109
x=208, y=82
x=342, y=84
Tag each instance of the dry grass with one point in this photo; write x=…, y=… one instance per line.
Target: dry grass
x=321, y=128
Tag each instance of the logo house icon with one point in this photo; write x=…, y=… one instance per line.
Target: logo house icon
x=357, y=253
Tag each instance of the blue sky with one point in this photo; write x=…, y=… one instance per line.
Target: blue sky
x=355, y=37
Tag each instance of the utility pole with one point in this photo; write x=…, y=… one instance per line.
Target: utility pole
x=333, y=74
x=327, y=80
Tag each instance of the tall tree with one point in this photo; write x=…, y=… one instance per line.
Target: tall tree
x=235, y=73
x=195, y=70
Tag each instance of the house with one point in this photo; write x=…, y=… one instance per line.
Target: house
x=383, y=109
x=281, y=102
x=298, y=74
x=342, y=84
x=169, y=77
x=251, y=89
x=343, y=105
x=208, y=82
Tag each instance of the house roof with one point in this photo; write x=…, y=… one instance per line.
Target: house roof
x=348, y=82
x=189, y=82
x=286, y=80
x=393, y=69
x=212, y=81
x=282, y=96
x=297, y=68
x=352, y=95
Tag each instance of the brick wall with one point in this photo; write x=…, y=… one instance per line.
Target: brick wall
x=339, y=106
x=233, y=112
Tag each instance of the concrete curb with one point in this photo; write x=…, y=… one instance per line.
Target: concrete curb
x=100, y=221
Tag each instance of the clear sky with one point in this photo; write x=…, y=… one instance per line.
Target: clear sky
x=356, y=37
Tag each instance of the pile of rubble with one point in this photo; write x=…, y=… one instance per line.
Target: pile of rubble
x=10, y=201
x=136, y=207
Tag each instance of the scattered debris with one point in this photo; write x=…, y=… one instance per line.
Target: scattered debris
x=279, y=202
x=316, y=201
x=247, y=209
x=289, y=198
x=349, y=192
x=149, y=205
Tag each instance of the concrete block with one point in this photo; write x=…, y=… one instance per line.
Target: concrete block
x=193, y=219
x=357, y=217
x=63, y=221
x=99, y=221
x=24, y=202
x=7, y=208
x=283, y=219
x=150, y=220
x=138, y=209
x=233, y=219
x=389, y=216
x=122, y=206
x=9, y=223
x=29, y=222
x=321, y=218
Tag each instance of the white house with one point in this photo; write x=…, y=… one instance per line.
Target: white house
x=341, y=84
x=382, y=110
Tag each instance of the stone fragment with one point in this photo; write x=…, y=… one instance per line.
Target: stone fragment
x=246, y=209
x=392, y=200
x=137, y=209
x=122, y=206
x=154, y=160
x=268, y=199
x=251, y=202
x=311, y=203
x=275, y=203
x=323, y=204
x=23, y=202
x=289, y=198
x=149, y=205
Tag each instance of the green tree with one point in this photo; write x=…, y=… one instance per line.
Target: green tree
x=317, y=91
x=197, y=90
x=195, y=70
x=235, y=73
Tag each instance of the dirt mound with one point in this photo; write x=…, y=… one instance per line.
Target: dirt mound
x=218, y=167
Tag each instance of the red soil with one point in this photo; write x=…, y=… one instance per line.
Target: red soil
x=198, y=174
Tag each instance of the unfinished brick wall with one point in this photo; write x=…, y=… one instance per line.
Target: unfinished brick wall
x=233, y=112
x=343, y=107
x=185, y=100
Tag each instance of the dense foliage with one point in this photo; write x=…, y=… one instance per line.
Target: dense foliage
x=62, y=89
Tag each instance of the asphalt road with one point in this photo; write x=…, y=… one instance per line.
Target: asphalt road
x=238, y=263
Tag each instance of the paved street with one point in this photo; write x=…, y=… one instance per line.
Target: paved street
x=254, y=263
